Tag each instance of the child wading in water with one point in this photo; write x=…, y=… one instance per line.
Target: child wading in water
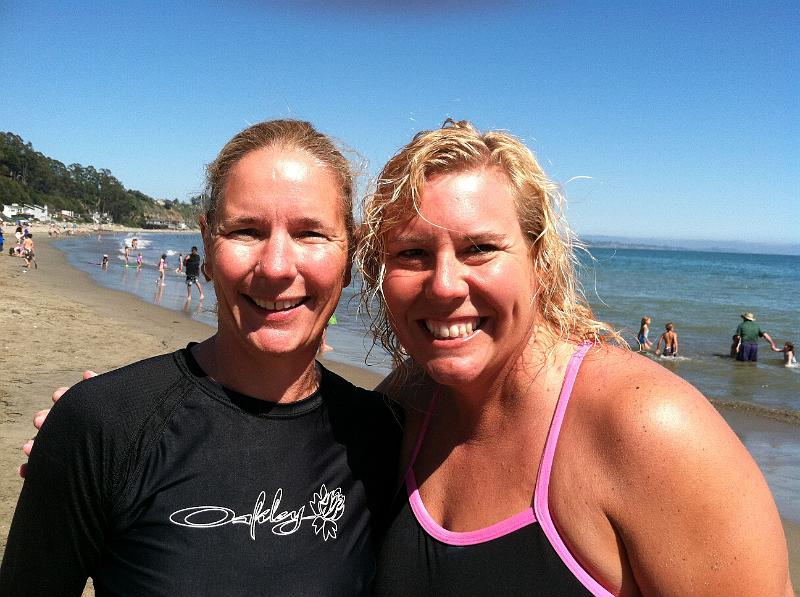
x=789, y=358
x=670, y=339
x=162, y=266
x=644, y=330
x=736, y=344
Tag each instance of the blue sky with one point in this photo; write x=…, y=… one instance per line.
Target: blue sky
x=663, y=120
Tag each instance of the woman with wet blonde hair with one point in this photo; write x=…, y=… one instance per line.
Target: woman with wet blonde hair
x=458, y=146
x=540, y=458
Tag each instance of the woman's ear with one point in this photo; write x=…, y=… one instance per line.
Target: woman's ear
x=206, y=267
x=348, y=273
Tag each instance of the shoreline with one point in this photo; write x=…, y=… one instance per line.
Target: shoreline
x=58, y=321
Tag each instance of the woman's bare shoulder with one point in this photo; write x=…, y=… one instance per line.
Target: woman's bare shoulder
x=675, y=479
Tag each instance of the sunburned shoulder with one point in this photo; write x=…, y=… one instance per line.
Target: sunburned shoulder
x=638, y=409
x=673, y=481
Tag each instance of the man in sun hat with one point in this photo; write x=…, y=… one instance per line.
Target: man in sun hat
x=749, y=332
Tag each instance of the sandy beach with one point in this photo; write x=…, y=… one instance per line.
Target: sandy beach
x=56, y=321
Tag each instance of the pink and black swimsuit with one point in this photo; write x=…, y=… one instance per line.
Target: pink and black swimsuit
x=522, y=555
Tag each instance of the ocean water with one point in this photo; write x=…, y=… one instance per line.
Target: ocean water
x=702, y=293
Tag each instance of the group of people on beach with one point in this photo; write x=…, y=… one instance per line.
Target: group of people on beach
x=517, y=448
x=191, y=265
x=24, y=246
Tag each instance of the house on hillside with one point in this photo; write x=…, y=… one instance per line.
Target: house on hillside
x=164, y=224
x=15, y=211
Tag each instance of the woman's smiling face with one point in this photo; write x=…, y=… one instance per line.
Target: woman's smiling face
x=459, y=281
x=278, y=252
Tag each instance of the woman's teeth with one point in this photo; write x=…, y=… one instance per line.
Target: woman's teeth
x=277, y=305
x=456, y=330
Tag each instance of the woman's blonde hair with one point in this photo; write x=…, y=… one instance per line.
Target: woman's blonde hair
x=459, y=147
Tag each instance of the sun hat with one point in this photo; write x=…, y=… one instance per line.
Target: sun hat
x=749, y=316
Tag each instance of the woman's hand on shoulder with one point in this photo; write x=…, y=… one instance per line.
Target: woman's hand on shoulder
x=687, y=500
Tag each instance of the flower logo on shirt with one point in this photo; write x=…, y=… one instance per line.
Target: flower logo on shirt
x=328, y=507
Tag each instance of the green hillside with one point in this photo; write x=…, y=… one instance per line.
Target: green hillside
x=28, y=176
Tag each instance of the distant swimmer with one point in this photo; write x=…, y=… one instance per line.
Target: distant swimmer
x=104, y=263
x=789, y=358
x=644, y=330
x=179, y=269
x=749, y=332
x=127, y=254
x=192, y=266
x=670, y=340
x=139, y=261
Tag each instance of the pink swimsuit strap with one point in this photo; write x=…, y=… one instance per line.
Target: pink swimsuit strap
x=540, y=510
x=541, y=504
x=433, y=528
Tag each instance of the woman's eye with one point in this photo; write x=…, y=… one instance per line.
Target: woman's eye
x=411, y=253
x=311, y=234
x=243, y=233
x=481, y=249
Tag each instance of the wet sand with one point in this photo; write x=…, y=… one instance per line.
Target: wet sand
x=55, y=321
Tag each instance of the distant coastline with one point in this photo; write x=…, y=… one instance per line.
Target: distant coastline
x=710, y=246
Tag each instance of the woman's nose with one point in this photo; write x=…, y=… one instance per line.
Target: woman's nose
x=278, y=258
x=446, y=280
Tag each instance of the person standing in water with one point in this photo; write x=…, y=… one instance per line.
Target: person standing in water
x=192, y=264
x=644, y=330
x=749, y=332
x=670, y=340
x=162, y=266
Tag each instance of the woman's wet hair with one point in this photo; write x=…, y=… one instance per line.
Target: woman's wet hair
x=460, y=147
x=285, y=134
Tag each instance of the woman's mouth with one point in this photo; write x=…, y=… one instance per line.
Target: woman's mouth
x=282, y=305
x=453, y=329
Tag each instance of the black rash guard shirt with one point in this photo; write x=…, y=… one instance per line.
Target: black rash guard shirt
x=154, y=480
x=192, y=265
